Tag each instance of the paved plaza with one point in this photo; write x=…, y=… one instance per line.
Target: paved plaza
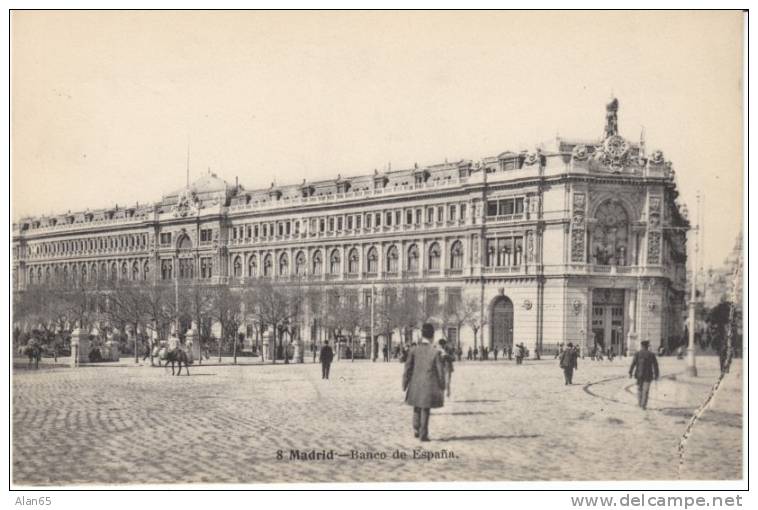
x=136, y=424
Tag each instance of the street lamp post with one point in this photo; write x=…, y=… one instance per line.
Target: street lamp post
x=691, y=366
x=373, y=347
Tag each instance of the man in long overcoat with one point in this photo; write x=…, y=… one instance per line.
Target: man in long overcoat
x=645, y=370
x=568, y=363
x=326, y=356
x=424, y=381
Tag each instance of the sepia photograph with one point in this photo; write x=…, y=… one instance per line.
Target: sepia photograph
x=354, y=247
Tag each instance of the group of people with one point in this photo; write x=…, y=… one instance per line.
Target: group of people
x=644, y=369
x=483, y=354
x=428, y=372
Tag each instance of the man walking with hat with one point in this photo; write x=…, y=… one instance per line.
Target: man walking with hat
x=568, y=363
x=645, y=370
x=424, y=381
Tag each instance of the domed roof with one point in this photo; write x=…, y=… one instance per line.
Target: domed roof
x=209, y=183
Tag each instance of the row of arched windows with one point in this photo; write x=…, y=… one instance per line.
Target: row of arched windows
x=82, y=273
x=74, y=246
x=301, y=268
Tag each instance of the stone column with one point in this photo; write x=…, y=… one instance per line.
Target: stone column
x=632, y=341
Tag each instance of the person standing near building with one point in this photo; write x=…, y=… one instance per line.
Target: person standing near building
x=447, y=362
x=520, y=353
x=326, y=356
x=645, y=369
x=424, y=382
x=568, y=362
x=75, y=348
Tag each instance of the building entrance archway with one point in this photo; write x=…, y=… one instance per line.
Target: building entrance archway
x=501, y=325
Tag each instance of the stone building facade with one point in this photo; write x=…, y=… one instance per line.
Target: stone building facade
x=580, y=242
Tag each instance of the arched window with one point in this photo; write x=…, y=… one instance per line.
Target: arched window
x=372, y=261
x=252, y=266
x=317, y=263
x=413, y=259
x=135, y=271
x=166, y=270
x=300, y=265
x=39, y=275
x=114, y=271
x=609, y=237
x=47, y=275
x=284, y=265
x=518, y=250
x=434, y=257
x=392, y=258
x=456, y=255
x=124, y=271
x=237, y=267
x=31, y=276
x=353, y=262
x=145, y=270
x=65, y=274
x=84, y=274
x=334, y=262
x=268, y=266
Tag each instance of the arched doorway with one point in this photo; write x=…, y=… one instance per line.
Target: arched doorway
x=501, y=326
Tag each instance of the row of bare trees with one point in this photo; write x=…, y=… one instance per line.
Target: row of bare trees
x=280, y=309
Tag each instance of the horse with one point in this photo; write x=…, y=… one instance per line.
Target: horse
x=177, y=356
x=35, y=354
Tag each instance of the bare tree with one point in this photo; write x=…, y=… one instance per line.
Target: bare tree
x=225, y=308
x=127, y=307
x=474, y=316
x=387, y=315
x=269, y=303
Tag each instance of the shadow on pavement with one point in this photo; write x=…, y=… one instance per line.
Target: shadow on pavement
x=486, y=438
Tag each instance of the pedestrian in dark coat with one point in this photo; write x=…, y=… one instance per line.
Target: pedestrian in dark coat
x=424, y=381
x=520, y=353
x=568, y=362
x=326, y=356
x=448, y=357
x=645, y=370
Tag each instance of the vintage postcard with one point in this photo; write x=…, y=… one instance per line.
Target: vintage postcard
x=326, y=247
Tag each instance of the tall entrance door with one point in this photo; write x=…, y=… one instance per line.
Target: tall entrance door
x=608, y=319
x=501, y=333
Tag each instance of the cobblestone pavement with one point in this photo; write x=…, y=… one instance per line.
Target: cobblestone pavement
x=129, y=425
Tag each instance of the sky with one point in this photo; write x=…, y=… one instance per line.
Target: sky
x=104, y=105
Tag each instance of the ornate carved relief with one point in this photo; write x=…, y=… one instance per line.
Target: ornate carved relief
x=654, y=247
x=580, y=153
x=530, y=246
x=188, y=204
x=531, y=158
x=577, y=227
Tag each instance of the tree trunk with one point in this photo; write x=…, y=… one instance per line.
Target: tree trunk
x=220, y=342
x=273, y=348
x=136, y=350
x=235, y=349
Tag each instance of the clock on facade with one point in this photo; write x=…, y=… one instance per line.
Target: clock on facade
x=616, y=146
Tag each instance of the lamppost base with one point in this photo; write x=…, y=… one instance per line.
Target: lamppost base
x=691, y=371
